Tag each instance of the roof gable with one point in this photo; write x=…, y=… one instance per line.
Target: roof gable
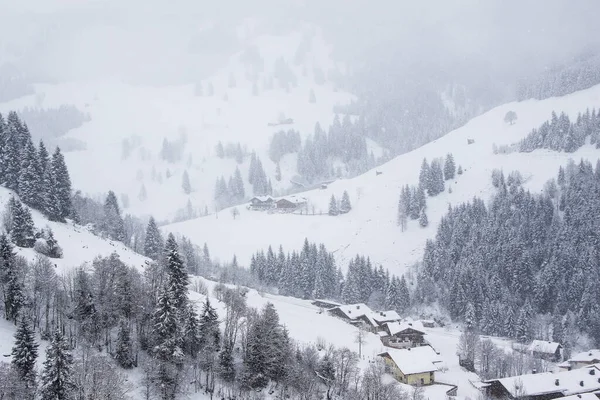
x=542, y=346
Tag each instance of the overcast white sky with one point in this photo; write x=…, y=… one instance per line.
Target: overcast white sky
x=84, y=39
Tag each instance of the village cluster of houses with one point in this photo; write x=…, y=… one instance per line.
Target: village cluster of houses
x=577, y=378
x=409, y=358
x=412, y=360
x=284, y=204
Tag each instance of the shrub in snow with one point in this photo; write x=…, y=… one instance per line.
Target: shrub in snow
x=47, y=245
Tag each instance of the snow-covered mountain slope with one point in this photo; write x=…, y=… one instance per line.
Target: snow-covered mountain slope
x=370, y=228
x=146, y=115
x=305, y=322
x=79, y=245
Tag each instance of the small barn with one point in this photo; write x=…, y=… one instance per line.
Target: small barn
x=546, y=350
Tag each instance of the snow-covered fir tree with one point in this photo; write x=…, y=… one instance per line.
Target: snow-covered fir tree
x=449, y=167
x=345, y=205
x=178, y=279
x=113, y=224
x=62, y=182
x=185, y=183
x=57, y=375
x=423, y=221
x=21, y=224
x=333, y=206
x=24, y=354
x=153, y=241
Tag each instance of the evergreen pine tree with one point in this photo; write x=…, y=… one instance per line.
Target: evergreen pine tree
x=333, y=208
x=4, y=144
x=153, y=242
x=167, y=338
x=449, y=167
x=24, y=353
x=423, y=221
x=424, y=175
x=460, y=170
x=403, y=295
x=45, y=178
x=113, y=222
x=57, y=375
x=12, y=151
x=62, y=183
x=28, y=187
x=238, y=184
x=124, y=351
x=191, y=333
x=345, y=205
x=21, y=227
x=436, y=179
x=185, y=183
x=220, y=150
x=178, y=278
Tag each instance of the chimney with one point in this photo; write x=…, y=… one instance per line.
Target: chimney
x=556, y=382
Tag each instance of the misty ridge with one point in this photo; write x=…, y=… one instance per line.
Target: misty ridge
x=299, y=199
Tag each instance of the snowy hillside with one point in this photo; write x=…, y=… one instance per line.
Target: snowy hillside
x=119, y=148
x=370, y=228
x=79, y=245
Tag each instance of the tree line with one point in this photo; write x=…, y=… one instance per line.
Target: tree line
x=41, y=181
x=413, y=199
x=581, y=73
x=344, y=141
x=312, y=274
x=524, y=267
x=560, y=134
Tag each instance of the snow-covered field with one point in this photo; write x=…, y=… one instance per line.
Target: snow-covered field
x=146, y=115
x=370, y=228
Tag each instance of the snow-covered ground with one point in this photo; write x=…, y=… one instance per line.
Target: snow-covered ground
x=79, y=245
x=370, y=228
x=146, y=115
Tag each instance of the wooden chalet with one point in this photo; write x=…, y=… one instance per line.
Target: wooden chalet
x=290, y=203
x=262, y=203
x=546, y=350
x=402, y=335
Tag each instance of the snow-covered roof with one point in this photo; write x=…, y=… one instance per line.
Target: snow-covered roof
x=566, y=382
x=590, y=356
x=386, y=316
x=542, y=346
x=397, y=327
x=414, y=360
x=263, y=198
x=294, y=199
x=354, y=311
